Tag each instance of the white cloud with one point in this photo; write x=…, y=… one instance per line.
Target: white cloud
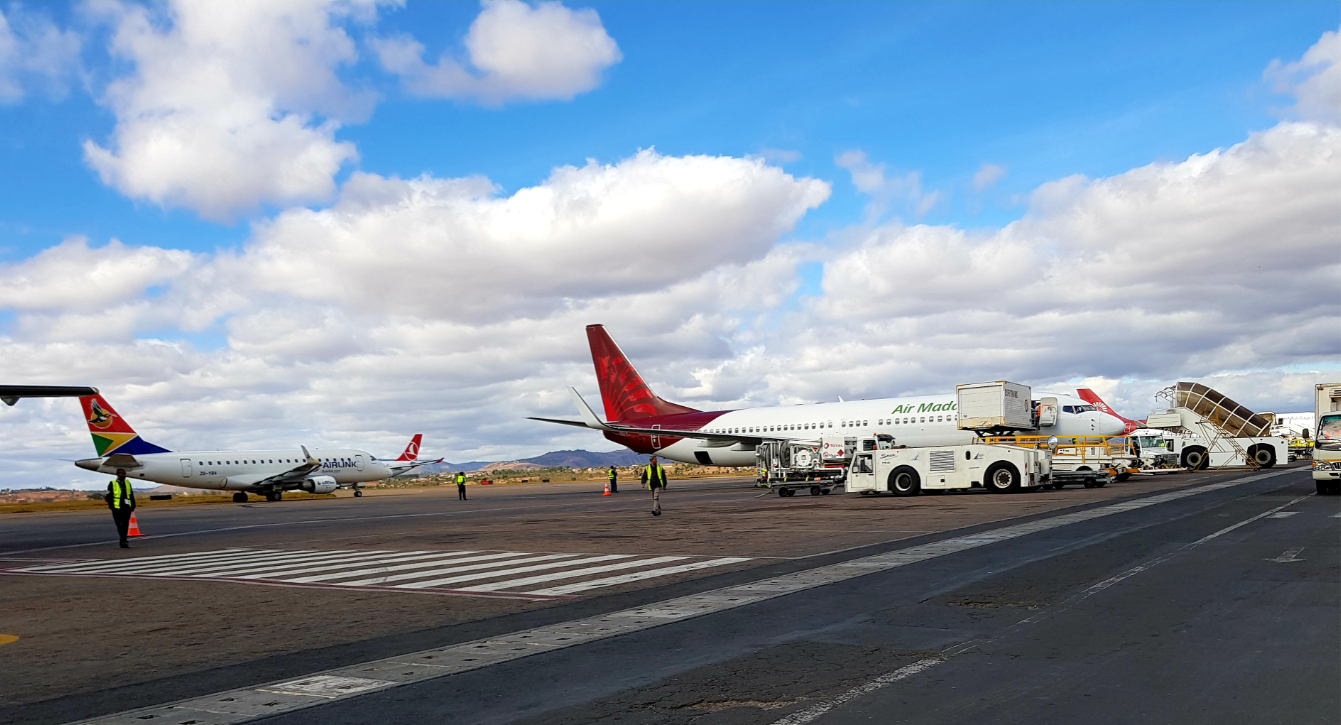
x=884, y=190
x=516, y=52
x=35, y=54
x=1314, y=80
x=222, y=111
x=987, y=176
x=71, y=276
x=451, y=249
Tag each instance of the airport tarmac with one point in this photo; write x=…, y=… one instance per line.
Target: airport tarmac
x=209, y=602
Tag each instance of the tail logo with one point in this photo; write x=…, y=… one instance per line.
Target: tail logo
x=412, y=450
x=99, y=418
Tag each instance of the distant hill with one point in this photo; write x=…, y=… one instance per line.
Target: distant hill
x=553, y=459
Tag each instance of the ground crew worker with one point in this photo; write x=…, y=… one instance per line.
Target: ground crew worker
x=461, y=485
x=613, y=477
x=121, y=500
x=654, y=477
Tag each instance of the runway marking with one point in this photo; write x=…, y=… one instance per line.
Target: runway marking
x=1288, y=556
x=1283, y=514
x=8, y=638
x=498, y=573
x=225, y=708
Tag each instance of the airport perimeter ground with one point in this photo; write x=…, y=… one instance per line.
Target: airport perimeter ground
x=1192, y=598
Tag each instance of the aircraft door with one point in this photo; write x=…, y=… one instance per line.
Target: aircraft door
x=358, y=462
x=186, y=468
x=1047, y=412
x=656, y=440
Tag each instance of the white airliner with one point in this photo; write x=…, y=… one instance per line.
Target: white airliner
x=640, y=420
x=409, y=460
x=269, y=473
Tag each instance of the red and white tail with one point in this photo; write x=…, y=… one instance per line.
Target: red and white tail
x=625, y=395
x=1089, y=396
x=412, y=450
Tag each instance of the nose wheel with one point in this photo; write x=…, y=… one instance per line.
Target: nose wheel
x=239, y=497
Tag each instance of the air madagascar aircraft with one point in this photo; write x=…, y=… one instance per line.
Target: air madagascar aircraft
x=1093, y=398
x=269, y=473
x=640, y=420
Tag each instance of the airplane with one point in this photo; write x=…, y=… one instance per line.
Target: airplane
x=269, y=473
x=1091, y=397
x=638, y=419
x=409, y=460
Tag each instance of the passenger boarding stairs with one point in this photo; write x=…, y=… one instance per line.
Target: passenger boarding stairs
x=1199, y=410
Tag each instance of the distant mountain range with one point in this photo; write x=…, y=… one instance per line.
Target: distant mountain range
x=553, y=459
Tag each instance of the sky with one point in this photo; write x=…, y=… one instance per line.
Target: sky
x=263, y=224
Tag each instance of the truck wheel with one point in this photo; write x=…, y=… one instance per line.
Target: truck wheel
x=1002, y=478
x=904, y=481
x=1264, y=456
x=1058, y=485
x=814, y=490
x=1195, y=459
x=1122, y=477
x=826, y=491
x=782, y=492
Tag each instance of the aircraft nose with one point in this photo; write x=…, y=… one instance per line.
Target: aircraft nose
x=1110, y=426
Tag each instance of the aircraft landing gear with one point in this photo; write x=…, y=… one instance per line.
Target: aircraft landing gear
x=358, y=493
x=273, y=495
x=240, y=497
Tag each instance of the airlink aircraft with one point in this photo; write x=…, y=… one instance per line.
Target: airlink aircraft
x=268, y=473
x=640, y=420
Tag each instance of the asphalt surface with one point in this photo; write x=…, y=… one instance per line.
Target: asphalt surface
x=1219, y=607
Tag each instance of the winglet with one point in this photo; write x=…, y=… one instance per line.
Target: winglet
x=588, y=416
x=307, y=455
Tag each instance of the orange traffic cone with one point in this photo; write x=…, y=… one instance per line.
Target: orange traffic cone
x=607, y=489
x=134, y=528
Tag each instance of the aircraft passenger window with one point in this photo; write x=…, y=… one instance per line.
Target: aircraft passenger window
x=865, y=422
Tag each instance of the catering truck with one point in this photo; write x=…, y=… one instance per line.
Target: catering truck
x=877, y=464
x=1327, y=438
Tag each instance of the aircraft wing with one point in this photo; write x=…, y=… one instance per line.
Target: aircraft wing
x=589, y=420
x=294, y=475
x=406, y=466
x=11, y=393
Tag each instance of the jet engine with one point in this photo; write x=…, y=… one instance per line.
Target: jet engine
x=320, y=484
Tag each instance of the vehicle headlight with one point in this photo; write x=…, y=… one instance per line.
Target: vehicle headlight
x=1325, y=466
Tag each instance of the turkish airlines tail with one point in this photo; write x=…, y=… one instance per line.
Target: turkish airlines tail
x=1090, y=397
x=412, y=450
x=625, y=395
x=111, y=433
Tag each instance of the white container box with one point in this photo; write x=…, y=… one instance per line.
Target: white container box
x=996, y=405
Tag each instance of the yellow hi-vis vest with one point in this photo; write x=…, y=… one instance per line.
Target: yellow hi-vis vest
x=119, y=495
x=611, y=474
x=460, y=479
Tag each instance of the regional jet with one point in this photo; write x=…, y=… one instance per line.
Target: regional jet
x=409, y=460
x=638, y=419
x=269, y=473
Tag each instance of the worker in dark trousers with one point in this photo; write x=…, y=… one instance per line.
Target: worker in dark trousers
x=121, y=500
x=654, y=477
x=461, y=485
x=613, y=477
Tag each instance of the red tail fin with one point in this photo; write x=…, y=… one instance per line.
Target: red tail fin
x=412, y=450
x=1089, y=396
x=623, y=391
